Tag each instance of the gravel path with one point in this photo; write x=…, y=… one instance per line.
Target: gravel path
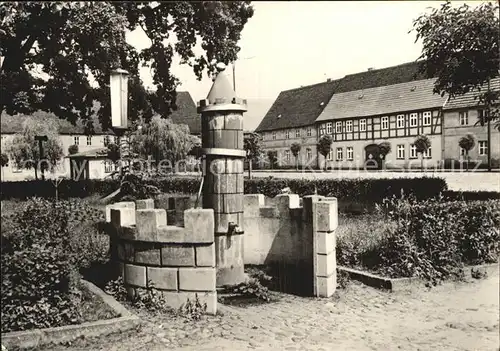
x=454, y=316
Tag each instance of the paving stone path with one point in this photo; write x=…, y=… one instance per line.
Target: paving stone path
x=454, y=316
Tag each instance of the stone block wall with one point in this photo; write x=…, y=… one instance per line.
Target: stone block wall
x=297, y=241
x=177, y=261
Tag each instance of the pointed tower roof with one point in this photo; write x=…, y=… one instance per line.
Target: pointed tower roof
x=221, y=89
x=221, y=95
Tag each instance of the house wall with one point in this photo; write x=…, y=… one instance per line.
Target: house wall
x=281, y=142
x=12, y=173
x=453, y=131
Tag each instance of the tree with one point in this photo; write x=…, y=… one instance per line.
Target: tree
x=251, y=144
x=4, y=161
x=422, y=144
x=325, y=145
x=24, y=148
x=467, y=143
x=75, y=45
x=461, y=48
x=385, y=148
x=273, y=157
x=164, y=140
x=295, y=149
x=73, y=149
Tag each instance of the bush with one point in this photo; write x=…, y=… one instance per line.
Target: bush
x=361, y=190
x=43, y=247
x=434, y=238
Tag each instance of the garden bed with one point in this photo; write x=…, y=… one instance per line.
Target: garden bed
x=102, y=315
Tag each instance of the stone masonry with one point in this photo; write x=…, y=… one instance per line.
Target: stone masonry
x=298, y=240
x=177, y=261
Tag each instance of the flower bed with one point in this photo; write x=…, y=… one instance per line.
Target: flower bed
x=44, y=246
x=431, y=239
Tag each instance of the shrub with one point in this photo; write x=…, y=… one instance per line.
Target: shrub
x=434, y=238
x=37, y=269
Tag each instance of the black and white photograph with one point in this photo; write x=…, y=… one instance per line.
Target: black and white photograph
x=250, y=175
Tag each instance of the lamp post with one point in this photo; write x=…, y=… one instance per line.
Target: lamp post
x=118, y=84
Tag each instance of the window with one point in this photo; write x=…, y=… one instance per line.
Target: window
x=308, y=154
x=385, y=122
x=340, y=154
x=401, y=152
x=329, y=128
x=413, y=151
x=362, y=125
x=329, y=157
x=400, y=121
x=274, y=135
x=106, y=140
x=89, y=140
x=348, y=126
x=287, y=134
x=350, y=153
x=108, y=167
x=483, y=148
x=338, y=127
x=287, y=155
x=426, y=118
x=77, y=140
x=309, y=131
x=413, y=120
x=428, y=153
x=297, y=133
x=463, y=118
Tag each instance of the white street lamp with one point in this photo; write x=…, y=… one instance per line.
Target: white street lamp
x=118, y=84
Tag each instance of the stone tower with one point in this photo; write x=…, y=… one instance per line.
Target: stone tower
x=222, y=144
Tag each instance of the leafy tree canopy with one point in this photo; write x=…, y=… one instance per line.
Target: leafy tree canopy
x=460, y=46
x=77, y=44
x=24, y=148
x=295, y=148
x=325, y=144
x=385, y=148
x=422, y=143
x=251, y=144
x=467, y=142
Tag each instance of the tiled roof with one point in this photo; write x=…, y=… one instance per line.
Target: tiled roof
x=185, y=113
x=471, y=99
x=301, y=106
x=386, y=99
x=93, y=153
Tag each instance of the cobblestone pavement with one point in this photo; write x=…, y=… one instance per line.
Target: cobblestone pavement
x=454, y=316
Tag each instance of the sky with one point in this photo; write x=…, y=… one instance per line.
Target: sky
x=286, y=45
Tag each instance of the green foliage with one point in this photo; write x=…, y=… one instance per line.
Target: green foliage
x=24, y=148
x=113, y=152
x=461, y=49
x=467, y=142
x=251, y=144
x=60, y=39
x=273, y=158
x=193, y=310
x=295, y=148
x=343, y=279
x=73, y=149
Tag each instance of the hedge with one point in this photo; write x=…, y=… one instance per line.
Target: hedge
x=363, y=190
